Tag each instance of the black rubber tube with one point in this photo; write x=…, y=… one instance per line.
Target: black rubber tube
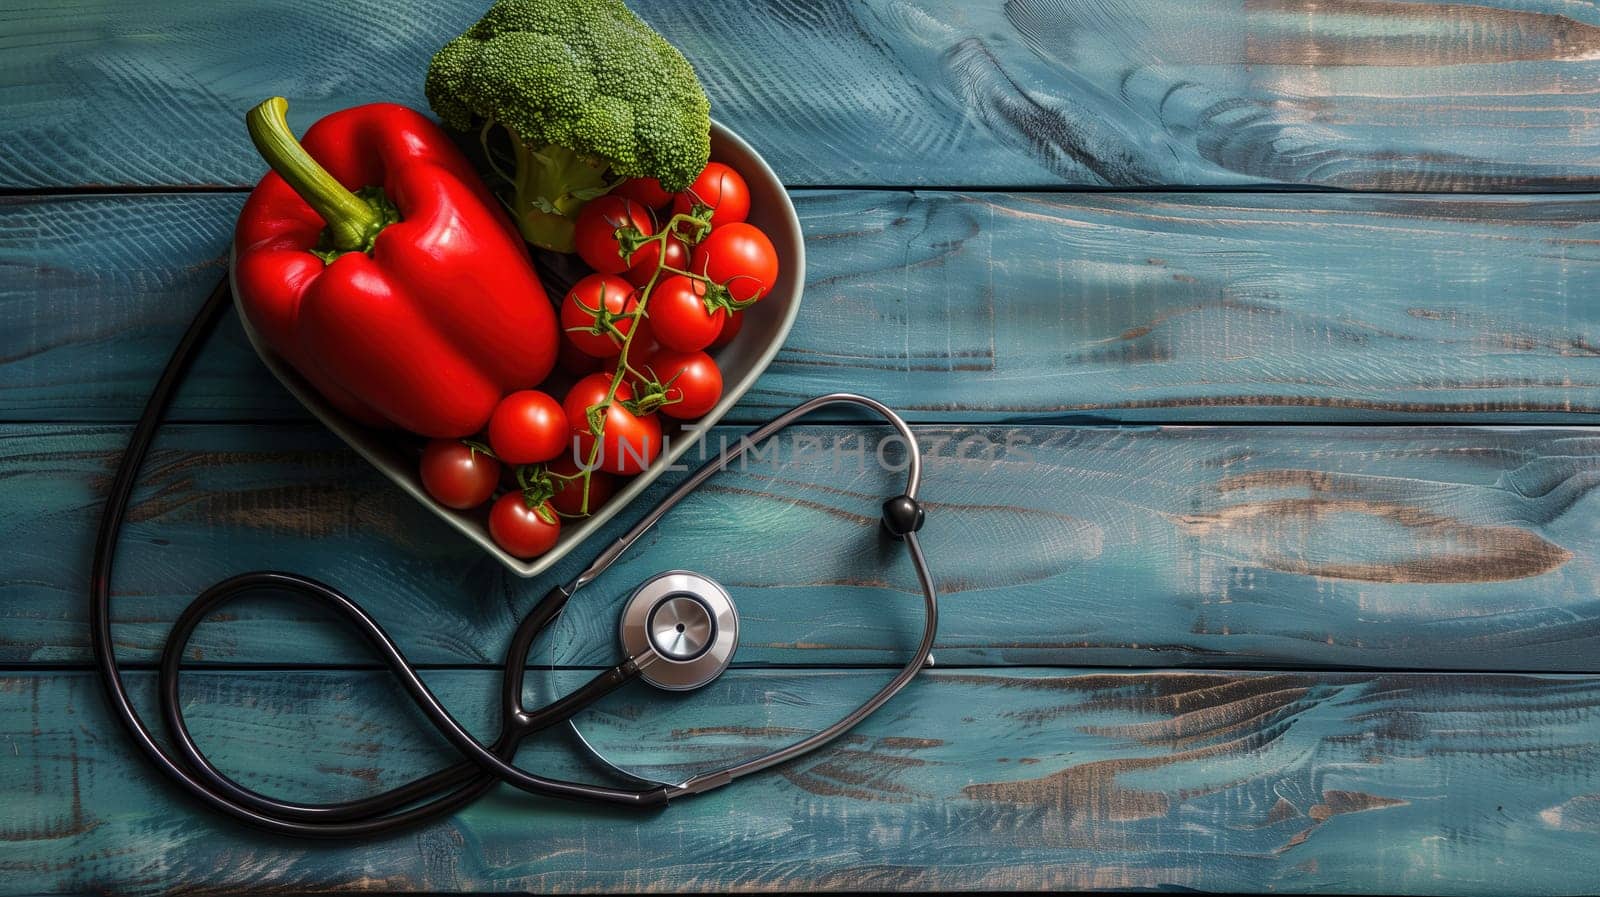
x=445, y=791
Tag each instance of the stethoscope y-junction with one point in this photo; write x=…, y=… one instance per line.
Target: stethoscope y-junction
x=678, y=631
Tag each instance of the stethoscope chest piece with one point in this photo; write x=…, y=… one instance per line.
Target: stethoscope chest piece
x=681, y=629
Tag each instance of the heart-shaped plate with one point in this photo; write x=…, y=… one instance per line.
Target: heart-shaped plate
x=766, y=325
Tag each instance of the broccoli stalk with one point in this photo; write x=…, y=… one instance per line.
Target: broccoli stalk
x=589, y=94
x=550, y=185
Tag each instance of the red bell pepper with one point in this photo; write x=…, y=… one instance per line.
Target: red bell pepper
x=410, y=302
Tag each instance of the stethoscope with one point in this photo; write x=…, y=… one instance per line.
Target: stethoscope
x=678, y=631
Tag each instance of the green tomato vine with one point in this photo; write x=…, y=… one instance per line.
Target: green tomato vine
x=537, y=481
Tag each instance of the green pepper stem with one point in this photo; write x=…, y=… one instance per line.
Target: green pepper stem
x=352, y=223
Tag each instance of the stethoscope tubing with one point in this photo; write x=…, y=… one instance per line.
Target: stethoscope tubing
x=483, y=766
x=202, y=781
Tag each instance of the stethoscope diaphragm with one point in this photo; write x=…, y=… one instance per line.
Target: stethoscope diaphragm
x=681, y=629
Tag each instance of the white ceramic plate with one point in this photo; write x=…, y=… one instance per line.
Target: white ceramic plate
x=766, y=325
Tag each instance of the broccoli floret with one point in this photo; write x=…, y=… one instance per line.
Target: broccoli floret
x=590, y=95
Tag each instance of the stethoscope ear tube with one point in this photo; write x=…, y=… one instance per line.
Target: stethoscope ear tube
x=483, y=766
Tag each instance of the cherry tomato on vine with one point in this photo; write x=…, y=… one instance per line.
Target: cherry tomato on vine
x=740, y=257
x=523, y=531
x=730, y=329
x=580, y=315
x=692, y=379
x=719, y=187
x=630, y=441
x=645, y=260
x=645, y=191
x=677, y=315
x=527, y=427
x=458, y=475
x=596, y=231
x=569, y=497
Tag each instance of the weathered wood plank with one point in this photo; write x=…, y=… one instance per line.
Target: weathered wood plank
x=1389, y=548
x=964, y=306
x=1498, y=94
x=1027, y=780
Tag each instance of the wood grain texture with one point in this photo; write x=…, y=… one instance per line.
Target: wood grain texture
x=1364, y=94
x=1232, y=546
x=956, y=306
x=1022, y=780
x=990, y=317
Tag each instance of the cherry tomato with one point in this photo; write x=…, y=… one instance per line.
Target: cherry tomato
x=457, y=475
x=580, y=315
x=523, y=531
x=719, y=187
x=527, y=427
x=644, y=261
x=630, y=443
x=730, y=329
x=596, y=231
x=569, y=498
x=740, y=257
x=677, y=315
x=645, y=191
x=693, y=380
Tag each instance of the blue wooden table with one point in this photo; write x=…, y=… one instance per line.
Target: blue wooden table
x=1253, y=342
